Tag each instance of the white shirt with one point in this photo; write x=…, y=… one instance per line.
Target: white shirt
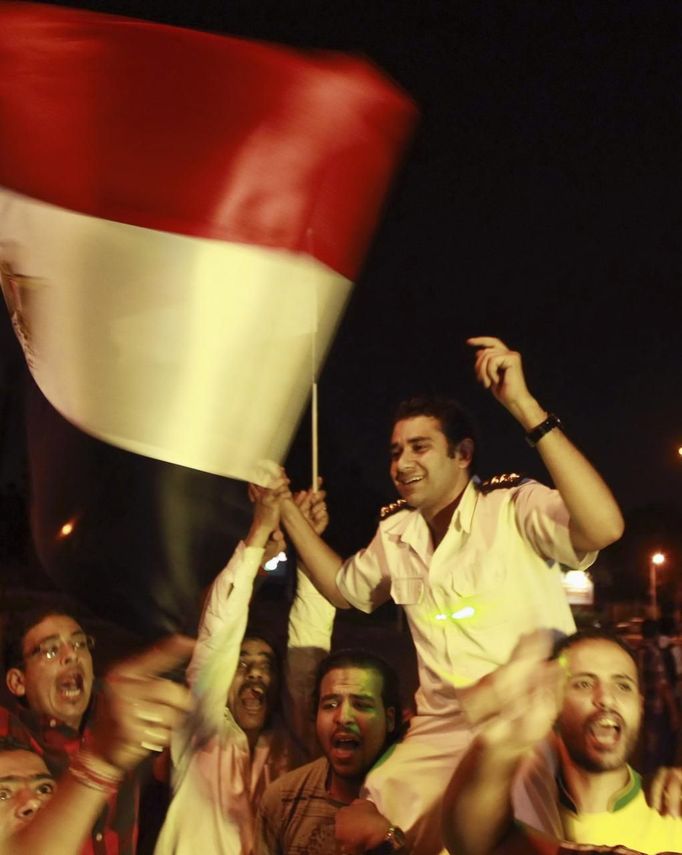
x=494, y=576
x=218, y=782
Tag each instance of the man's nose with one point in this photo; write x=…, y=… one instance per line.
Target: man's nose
x=344, y=712
x=403, y=460
x=603, y=696
x=67, y=652
x=29, y=804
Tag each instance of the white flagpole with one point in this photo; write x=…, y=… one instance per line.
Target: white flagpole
x=313, y=371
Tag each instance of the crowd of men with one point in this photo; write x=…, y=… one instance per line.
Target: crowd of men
x=512, y=748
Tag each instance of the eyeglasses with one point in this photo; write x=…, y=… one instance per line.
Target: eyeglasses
x=49, y=649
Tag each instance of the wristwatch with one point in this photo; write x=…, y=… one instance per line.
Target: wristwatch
x=534, y=436
x=393, y=842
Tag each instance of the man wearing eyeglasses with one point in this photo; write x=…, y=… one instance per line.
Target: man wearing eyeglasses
x=53, y=673
x=93, y=809
x=49, y=670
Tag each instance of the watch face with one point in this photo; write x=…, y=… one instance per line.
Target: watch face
x=395, y=838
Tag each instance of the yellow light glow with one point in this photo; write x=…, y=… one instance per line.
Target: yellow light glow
x=466, y=612
x=66, y=529
x=658, y=558
x=441, y=617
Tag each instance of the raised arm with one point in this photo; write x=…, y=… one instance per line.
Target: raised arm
x=320, y=562
x=136, y=714
x=311, y=621
x=477, y=807
x=595, y=518
x=225, y=617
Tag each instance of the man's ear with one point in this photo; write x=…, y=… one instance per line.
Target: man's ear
x=390, y=719
x=16, y=682
x=465, y=451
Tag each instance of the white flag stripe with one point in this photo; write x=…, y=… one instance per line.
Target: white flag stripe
x=122, y=323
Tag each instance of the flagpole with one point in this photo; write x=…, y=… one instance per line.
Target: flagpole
x=313, y=405
x=313, y=370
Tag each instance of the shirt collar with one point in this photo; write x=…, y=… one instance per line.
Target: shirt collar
x=464, y=512
x=618, y=800
x=406, y=525
x=42, y=723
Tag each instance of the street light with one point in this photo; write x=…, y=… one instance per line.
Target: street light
x=656, y=559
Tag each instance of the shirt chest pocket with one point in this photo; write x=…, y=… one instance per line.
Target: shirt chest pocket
x=408, y=569
x=472, y=573
x=407, y=590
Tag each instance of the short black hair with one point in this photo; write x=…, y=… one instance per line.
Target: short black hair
x=455, y=421
x=593, y=634
x=9, y=743
x=358, y=658
x=17, y=624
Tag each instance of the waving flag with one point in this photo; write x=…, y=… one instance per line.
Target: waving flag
x=181, y=213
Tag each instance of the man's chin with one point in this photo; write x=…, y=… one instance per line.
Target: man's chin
x=603, y=761
x=67, y=711
x=251, y=721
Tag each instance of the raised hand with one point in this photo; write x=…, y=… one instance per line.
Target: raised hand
x=138, y=709
x=265, y=528
x=528, y=685
x=312, y=505
x=499, y=369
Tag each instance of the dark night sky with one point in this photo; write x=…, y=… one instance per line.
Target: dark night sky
x=540, y=202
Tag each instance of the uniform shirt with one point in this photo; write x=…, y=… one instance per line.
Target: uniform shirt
x=297, y=816
x=629, y=821
x=218, y=782
x=494, y=576
x=115, y=831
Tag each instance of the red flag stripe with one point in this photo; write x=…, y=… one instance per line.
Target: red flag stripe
x=150, y=125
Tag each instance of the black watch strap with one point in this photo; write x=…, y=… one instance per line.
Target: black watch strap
x=535, y=435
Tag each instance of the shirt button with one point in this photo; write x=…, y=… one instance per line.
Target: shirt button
x=98, y=836
x=53, y=722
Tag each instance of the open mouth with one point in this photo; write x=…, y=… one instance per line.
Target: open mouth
x=408, y=481
x=71, y=686
x=344, y=745
x=252, y=698
x=605, y=731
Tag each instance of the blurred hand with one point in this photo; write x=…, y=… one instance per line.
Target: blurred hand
x=138, y=709
x=524, y=693
x=529, y=714
x=359, y=827
x=665, y=792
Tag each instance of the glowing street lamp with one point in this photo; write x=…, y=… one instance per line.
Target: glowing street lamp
x=656, y=559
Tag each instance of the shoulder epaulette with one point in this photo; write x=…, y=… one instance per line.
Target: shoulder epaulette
x=392, y=508
x=497, y=482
